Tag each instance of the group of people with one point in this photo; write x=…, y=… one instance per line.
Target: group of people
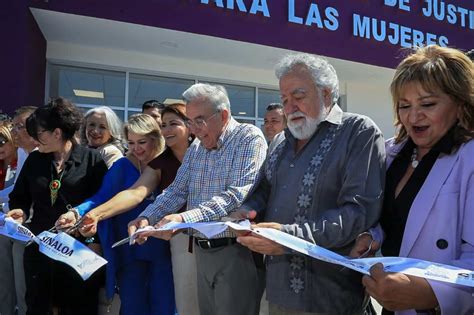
x=318, y=173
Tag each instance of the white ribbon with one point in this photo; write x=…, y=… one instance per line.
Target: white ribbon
x=409, y=266
x=15, y=230
x=60, y=247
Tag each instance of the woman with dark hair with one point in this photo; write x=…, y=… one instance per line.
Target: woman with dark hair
x=428, y=207
x=60, y=174
x=159, y=173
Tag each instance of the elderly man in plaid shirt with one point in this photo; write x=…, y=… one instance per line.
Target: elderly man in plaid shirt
x=218, y=172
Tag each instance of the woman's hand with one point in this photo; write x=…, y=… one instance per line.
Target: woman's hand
x=397, y=291
x=65, y=221
x=88, y=226
x=18, y=215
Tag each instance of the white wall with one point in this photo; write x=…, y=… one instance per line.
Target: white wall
x=373, y=100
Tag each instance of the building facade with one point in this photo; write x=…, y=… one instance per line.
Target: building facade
x=120, y=53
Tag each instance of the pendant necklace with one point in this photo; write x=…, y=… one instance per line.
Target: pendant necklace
x=414, y=161
x=55, y=184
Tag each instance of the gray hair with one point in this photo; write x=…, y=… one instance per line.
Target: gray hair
x=113, y=123
x=323, y=73
x=215, y=94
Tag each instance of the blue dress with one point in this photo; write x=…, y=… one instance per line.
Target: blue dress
x=142, y=273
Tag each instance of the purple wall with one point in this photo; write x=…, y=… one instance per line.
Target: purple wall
x=277, y=31
x=23, y=57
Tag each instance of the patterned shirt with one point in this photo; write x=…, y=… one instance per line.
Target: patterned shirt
x=327, y=193
x=215, y=182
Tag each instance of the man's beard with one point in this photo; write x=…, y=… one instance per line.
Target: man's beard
x=303, y=130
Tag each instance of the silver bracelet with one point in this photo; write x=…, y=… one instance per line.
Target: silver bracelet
x=75, y=211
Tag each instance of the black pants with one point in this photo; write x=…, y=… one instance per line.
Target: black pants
x=54, y=284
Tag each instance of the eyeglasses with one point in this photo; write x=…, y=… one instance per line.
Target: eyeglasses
x=199, y=122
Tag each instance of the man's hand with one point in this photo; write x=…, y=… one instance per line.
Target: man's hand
x=65, y=221
x=136, y=224
x=18, y=215
x=365, y=246
x=241, y=214
x=89, y=223
x=260, y=244
x=397, y=291
x=165, y=235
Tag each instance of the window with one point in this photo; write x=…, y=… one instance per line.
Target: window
x=266, y=97
x=88, y=86
x=143, y=88
x=242, y=99
x=120, y=112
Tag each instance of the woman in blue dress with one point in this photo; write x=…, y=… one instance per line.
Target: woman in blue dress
x=142, y=274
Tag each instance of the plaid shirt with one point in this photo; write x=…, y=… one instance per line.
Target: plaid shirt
x=214, y=183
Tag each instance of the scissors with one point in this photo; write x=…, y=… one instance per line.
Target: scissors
x=54, y=229
x=121, y=242
x=127, y=239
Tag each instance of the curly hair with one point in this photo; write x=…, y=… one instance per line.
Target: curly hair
x=58, y=113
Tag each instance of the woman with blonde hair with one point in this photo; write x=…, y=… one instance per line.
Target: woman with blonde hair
x=428, y=207
x=158, y=175
x=142, y=274
x=8, y=156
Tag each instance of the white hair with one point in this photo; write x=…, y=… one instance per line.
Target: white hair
x=113, y=123
x=323, y=73
x=215, y=94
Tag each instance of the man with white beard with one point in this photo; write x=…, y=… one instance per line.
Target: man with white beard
x=323, y=182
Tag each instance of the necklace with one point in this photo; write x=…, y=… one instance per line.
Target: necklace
x=55, y=185
x=414, y=161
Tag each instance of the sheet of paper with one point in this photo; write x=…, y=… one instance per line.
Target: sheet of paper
x=62, y=247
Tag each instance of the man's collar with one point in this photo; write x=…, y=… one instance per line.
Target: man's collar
x=228, y=129
x=335, y=115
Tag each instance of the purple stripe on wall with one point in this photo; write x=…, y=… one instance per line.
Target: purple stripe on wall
x=277, y=31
